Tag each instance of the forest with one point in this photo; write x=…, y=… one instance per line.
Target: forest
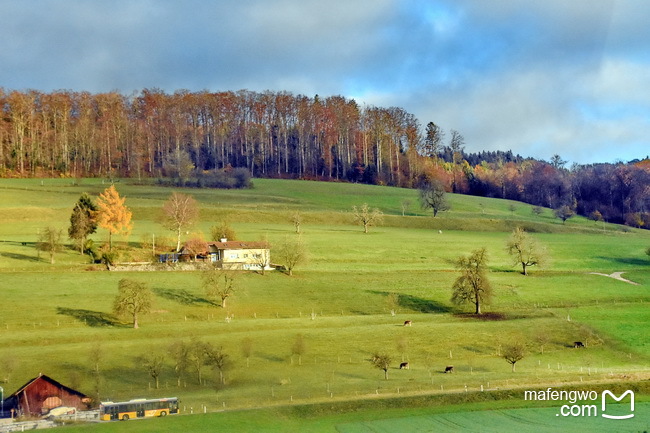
x=197, y=135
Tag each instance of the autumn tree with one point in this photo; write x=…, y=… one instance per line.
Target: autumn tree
x=82, y=221
x=525, y=250
x=180, y=212
x=514, y=353
x=381, y=361
x=219, y=285
x=366, y=216
x=195, y=246
x=49, y=240
x=112, y=214
x=291, y=253
x=473, y=285
x=133, y=298
x=433, y=196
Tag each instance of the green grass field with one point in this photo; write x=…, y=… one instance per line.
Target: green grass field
x=53, y=316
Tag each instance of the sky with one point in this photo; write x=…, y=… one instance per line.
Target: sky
x=536, y=77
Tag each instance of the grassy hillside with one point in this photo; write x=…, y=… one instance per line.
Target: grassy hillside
x=54, y=316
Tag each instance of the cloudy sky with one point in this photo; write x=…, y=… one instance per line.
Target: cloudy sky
x=536, y=77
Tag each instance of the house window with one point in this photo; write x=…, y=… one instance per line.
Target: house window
x=245, y=256
x=234, y=256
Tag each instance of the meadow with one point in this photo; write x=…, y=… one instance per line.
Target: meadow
x=54, y=317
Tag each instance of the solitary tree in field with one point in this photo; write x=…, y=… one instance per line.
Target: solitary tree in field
x=513, y=353
x=133, y=298
x=525, y=250
x=291, y=253
x=112, y=214
x=49, y=240
x=197, y=357
x=298, y=348
x=366, y=216
x=82, y=221
x=564, y=213
x=537, y=210
x=180, y=212
x=219, y=285
x=433, y=196
x=472, y=286
x=247, y=349
x=381, y=361
x=296, y=220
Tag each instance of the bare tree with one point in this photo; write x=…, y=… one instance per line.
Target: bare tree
x=180, y=211
x=513, y=353
x=296, y=220
x=433, y=196
x=197, y=357
x=291, y=253
x=564, y=213
x=473, y=285
x=219, y=285
x=153, y=364
x=133, y=298
x=180, y=354
x=49, y=240
x=218, y=359
x=406, y=204
x=366, y=216
x=247, y=349
x=381, y=361
x=525, y=250
x=298, y=348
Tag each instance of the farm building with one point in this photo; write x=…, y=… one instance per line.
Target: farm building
x=234, y=255
x=41, y=394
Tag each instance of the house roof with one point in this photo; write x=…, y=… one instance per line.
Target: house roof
x=238, y=245
x=52, y=381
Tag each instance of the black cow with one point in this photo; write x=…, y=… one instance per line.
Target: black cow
x=578, y=344
x=449, y=369
x=404, y=366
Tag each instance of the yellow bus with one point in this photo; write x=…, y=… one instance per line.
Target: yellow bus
x=138, y=408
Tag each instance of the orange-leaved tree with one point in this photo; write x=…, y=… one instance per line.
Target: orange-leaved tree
x=112, y=214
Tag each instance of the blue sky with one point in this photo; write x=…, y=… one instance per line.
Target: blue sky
x=535, y=77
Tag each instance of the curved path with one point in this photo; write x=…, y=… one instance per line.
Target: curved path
x=616, y=276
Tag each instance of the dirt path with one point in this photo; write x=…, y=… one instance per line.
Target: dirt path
x=616, y=276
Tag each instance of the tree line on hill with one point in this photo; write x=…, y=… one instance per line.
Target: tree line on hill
x=220, y=139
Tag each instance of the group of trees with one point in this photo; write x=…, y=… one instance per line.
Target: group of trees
x=203, y=135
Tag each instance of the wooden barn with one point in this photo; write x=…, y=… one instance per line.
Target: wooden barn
x=41, y=394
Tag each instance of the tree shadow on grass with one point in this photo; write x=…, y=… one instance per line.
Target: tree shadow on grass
x=417, y=304
x=626, y=260
x=94, y=319
x=181, y=296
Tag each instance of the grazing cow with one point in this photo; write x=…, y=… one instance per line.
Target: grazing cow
x=449, y=369
x=407, y=323
x=578, y=344
x=404, y=366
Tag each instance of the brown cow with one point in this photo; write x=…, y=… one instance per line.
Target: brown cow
x=407, y=323
x=449, y=369
x=404, y=366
